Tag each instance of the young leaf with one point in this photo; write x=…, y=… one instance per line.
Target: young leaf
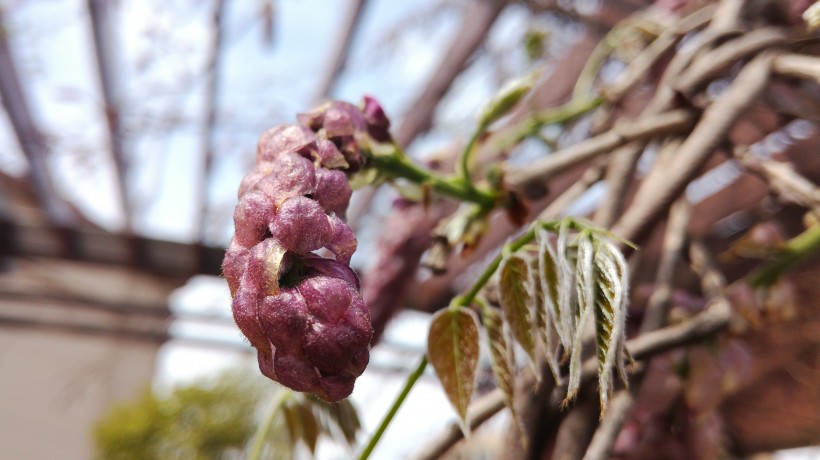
x=516, y=301
x=584, y=276
x=551, y=285
x=501, y=355
x=610, y=314
x=545, y=334
x=452, y=348
x=566, y=302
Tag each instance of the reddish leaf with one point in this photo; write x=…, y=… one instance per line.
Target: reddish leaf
x=453, y=348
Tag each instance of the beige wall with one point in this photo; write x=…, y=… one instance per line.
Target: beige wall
x=62, y=364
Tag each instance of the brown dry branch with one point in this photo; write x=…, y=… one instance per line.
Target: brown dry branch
x=783, y=179
x=713, y=64
x=797, y=66
x=673, y=243
x=639, y=68
x=660, y=188
x=602, y=441
x=676, y=121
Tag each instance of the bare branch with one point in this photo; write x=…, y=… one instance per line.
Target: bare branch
x=604, y=438
x=673, y=242
x=798, y=66
x=643, y=128
x=784, y=180
x=661, y=187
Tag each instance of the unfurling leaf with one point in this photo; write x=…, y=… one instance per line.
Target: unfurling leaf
x=611, y=281
x=584, y=282
x=506, y=99
x=545, y=334
x=453, y=348
x=516, y=301
x=501, y=355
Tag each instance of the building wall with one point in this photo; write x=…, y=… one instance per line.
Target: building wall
x=74, y=339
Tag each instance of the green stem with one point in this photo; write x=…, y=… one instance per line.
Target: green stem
x=537, y=120
x=466, y=156
x=795, y=250
x=399, y=166
x=261, y=432
x=411, y=381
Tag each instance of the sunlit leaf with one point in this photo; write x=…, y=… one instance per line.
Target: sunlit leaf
x=584, y=276
x=566, y=302
x=545, y=333
x=453, y=348
x=516, y=301
x=501, y=355
x=611, y=299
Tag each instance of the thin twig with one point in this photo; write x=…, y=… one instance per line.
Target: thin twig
x=640, y=66
x=673, y=242
x=604, y=438
x=643, y=128
x=618, y=177
x=714, y=63
x=797, y=66
x=783, y=179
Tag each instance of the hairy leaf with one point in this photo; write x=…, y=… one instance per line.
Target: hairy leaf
x=453, y=348
x=611, y=299
x=584, y=276
x=566, y=302
x=516, y=301
x=545, y=334
x=501, y=355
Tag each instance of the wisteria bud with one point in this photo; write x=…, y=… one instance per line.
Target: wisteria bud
x=304, y=313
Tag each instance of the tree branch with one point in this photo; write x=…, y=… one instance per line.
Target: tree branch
x=661, y=187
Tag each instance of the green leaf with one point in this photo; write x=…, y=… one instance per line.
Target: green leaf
x=611, y=302
x=516, y=301
x=453, y=348
x=507, y=98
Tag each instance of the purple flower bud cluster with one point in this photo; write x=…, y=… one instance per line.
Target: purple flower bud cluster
x=302, y=312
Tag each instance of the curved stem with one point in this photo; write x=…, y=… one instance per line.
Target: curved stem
x=466, y=156
x=411, y=381
x=399, y=166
